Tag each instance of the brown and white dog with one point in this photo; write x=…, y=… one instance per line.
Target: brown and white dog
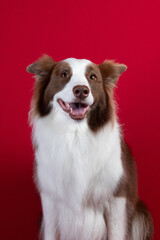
x=85, y=173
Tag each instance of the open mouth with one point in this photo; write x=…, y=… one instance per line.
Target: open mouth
x=76, y=110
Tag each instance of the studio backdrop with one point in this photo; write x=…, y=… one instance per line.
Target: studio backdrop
x=126, y=31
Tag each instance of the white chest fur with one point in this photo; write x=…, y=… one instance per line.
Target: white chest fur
x=73, y=161
x=74, y=166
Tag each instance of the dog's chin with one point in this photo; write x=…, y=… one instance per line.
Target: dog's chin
x=76, y=110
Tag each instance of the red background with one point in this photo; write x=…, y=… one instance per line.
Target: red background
x=127, y=31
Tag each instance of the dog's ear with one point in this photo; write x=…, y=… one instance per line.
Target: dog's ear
x=111, y=71
x=42, y=67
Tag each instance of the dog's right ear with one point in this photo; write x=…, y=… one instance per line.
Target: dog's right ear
x=42, y=67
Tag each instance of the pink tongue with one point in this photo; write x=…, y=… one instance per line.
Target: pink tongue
x=78, y=111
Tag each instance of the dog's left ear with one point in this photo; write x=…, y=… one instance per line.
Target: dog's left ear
x=111, y=71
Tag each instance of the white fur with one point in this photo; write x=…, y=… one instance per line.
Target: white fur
x=75, y=165
x=140, y=229
x=117, y=219
x=72, y=161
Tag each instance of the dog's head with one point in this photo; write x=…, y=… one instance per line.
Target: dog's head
x=77, y=88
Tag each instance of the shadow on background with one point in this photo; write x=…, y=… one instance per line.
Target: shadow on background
x=20, y=203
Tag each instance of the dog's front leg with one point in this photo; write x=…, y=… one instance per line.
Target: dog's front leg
x=49, y=218
x=116, y=219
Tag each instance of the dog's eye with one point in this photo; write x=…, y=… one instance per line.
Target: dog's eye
x=64, y=75
x=93, y=77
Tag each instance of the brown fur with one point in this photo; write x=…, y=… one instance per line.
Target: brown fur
x=127, y=188
x=103, y=109
x=49, y=82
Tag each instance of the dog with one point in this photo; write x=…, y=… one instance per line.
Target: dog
x=84, y=171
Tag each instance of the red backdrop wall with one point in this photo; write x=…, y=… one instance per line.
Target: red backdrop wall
x=127, y=31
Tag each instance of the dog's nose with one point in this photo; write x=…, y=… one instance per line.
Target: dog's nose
x=81, y=91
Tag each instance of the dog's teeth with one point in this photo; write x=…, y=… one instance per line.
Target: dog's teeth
x=67, y=105
x=71, y=110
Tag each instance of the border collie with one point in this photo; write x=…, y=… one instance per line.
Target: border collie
x=85, y=173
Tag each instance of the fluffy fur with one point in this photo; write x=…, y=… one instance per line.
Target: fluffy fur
x=85, y=173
